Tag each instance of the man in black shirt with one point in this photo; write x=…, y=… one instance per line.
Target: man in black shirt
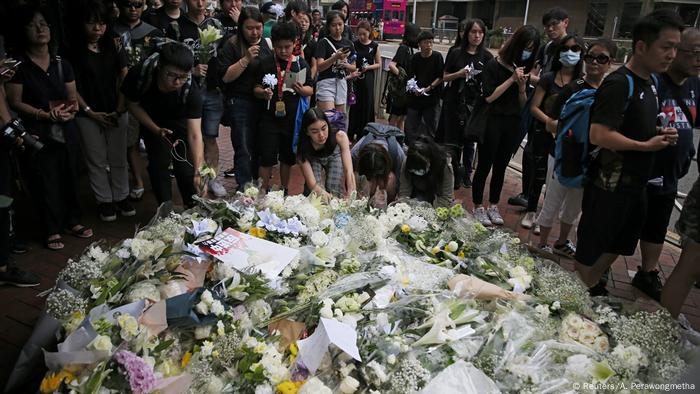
x=162, y=17
x=168, y=105
x=423, y=106
x=679, y=92
x=624, y=128
x=138, y=38
x=230, y=11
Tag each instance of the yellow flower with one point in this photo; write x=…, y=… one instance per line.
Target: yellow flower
x=435, y=250
x=460, y=254
x=52, y=381
x=186, y=359
x=257, y=232
x=405, y=228
x=289, y=387
x=293, y=349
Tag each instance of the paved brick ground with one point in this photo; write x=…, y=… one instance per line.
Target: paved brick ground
x=21, y=307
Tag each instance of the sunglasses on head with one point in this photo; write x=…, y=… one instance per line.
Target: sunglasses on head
x=573, y=48
x=600, y=59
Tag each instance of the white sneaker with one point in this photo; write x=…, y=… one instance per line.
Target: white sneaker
x=494, y=215
x=218, y=189
x=482, y=217
x=536, y=230
x=528, y=220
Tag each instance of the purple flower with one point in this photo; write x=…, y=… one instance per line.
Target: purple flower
x=141, y=376
x=294, y=226
x=268, y=220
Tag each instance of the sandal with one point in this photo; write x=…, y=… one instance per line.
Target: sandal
x=567, y=249
x=54, y=242
x=80, y=231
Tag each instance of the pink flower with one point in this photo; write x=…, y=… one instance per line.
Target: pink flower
x=142, y=379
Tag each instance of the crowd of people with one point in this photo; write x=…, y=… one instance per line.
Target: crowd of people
x=295, y=89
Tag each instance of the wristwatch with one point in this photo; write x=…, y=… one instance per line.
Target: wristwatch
x=87, y=109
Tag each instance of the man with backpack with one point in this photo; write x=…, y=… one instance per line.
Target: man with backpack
x=679, y=92
x=624, y=127
x=161, y=95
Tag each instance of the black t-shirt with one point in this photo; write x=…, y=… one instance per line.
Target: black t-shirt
x=160, y=19
x=625, y=171
x=310, y=50
x=457, y=59
x=365, y=53
x=425, y=70
x=673, y=162
x=186, y=31
x=545, y=56
x=243, y=85
x=494, y=75
x=291, y=99
x=402, y=57
x=97, y=76
x=40, y=87
x=229, y=27
x=566, y=93
x=324, y=50
x=169, y=110
x=139, y=42
x=551, y=94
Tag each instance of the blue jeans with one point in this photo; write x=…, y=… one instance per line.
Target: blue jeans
x=212, y=111
x=242, y=113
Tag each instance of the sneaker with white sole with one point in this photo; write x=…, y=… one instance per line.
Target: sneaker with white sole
x=546, y=248
x=528, y=220
x=567, y=249
x=536, y=230
x=482, y=217
x=218, y=189
x=494, y=215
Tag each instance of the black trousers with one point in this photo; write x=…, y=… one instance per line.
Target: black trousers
x=542, y=145
x=160, y=156
x=51, y=175
x=494, y=155
x=5, y=182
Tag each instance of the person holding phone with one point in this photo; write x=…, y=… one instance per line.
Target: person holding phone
x=332, y=54
x=102, y=121
x=40, y=80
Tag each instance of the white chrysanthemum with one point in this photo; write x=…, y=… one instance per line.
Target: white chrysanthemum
x=313, y=386
x=128, y=325
x=101, y=343
x=349, y=385
x=259, y=311
x=142, y=291
x=144, y=249
x=206, y=348
x=217, y=308
x=417, y=223
x=319, y=238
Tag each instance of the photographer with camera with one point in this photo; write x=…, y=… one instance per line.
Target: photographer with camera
x=43, y=93
x=11, y=138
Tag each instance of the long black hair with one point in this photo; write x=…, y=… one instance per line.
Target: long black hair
x=247, y=12
x=22, y=16
x=339, y=5
x=468, y=26
x=90, y=11
x=556, y=64
x=424, y=152
x=305, y=150
x=513, y=48
x=410, y=35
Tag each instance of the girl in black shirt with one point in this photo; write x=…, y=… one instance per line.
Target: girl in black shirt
x=368, y=60
x=396, y=106
x=504, y=79
x=460, y=95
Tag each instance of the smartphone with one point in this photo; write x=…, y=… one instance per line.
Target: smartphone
x=10, y=65
x=346, y=50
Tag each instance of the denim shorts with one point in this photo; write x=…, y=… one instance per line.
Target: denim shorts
x=212, y=111
x=332, y=89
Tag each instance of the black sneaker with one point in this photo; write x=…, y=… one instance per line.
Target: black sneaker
x=107, y=212
x=648, y=283
x=14, y=276
x=598, y=290
x=125, y=208
x=519, y=200
x=229, y=173
x=466, y=182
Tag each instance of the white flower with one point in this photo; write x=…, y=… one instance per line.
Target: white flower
x=312, y=386
x=378, y=370
x=574, y=320
x=327, y=308
x=207, y=348
x=601, y=344
x=543, y=311
x=417, y=224
x=123, y=253
x=215, y=385
x=349, y=385
x=224, y=270
x=391, y=359
x=96, y=253
x=555, y=306
x=217, y=308
x=142, y=291
x=201, y=332
x=319, y=238
x=452, y=246
x=170, y=289
x=251, y=191
x=128, y=325
x=259, y=311
x=264, y=389
x=202, y=308
x=102, y=343
x=207, y=297
x=220, y=330
x=519, y=279
x=144, y=249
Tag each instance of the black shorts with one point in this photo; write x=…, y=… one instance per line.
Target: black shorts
x=275, y=142
x=659, y=209
x=397, y=110
x=610, y=223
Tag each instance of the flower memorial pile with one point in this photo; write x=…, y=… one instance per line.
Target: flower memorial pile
x=342, y=298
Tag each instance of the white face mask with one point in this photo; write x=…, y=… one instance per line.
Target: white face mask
x=569, y=58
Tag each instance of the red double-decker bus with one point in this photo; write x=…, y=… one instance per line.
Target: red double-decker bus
x=394, y=18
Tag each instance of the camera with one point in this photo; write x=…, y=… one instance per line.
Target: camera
x=15, y=129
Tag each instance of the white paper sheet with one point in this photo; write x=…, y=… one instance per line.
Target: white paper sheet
x=313, y=348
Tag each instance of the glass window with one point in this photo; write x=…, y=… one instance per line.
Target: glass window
x=595, y=24
x=687, y=12
x=631, y=11
x=401, y=16
x=511, y=8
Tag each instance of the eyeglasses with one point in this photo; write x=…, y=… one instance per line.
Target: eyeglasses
x=690, y=52
x=600, y=59
x=175, y=77
x=133, y=5
x=573, y=48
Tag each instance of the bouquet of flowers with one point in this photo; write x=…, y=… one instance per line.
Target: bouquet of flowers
x=207, y=43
